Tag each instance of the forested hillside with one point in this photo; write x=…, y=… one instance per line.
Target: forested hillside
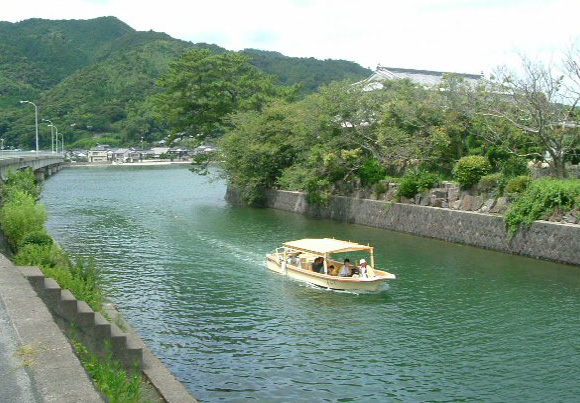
x=99, y=75
x=310, y=72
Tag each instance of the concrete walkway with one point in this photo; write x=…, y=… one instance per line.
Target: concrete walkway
x=37, y=363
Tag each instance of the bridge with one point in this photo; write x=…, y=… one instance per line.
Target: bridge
x=42, y=163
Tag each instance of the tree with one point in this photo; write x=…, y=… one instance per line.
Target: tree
x=399, y=125
x=534, y=114
x=261, y=145
x=202, y=89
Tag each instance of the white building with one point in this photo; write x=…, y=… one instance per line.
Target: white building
x=426, y=78
x=99, y=153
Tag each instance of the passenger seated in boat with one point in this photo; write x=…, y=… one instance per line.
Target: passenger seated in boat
x=294, y=260
x=318, y=264
x=366, y=271
x=345, y=269
x=332, y=270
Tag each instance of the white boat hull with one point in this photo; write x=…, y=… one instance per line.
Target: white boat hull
x=327, y=281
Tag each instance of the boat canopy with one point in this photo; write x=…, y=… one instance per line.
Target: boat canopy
x=325, y=245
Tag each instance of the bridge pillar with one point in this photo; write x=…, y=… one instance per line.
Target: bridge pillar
x=39, y=173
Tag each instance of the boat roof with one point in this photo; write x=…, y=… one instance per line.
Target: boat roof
x=326, y=245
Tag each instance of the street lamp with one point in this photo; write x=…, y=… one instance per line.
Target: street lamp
x=56, y=137
x=35, y=120
x=51, y=133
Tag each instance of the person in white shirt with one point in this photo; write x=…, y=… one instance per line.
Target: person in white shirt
x=366, y=271
x=294, y=260
x=345, y=269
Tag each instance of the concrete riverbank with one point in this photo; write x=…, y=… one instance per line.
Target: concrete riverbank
x=544, y=240
x=37, y=361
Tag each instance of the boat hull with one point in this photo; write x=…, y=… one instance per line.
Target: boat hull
x=326, y=281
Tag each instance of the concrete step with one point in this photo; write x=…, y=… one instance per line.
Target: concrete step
x=50, y=292
x=78, y=317
x=67, y=305
x=34, y=275
x=85, y=316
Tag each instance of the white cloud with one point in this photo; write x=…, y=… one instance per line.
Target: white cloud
x=452, y=35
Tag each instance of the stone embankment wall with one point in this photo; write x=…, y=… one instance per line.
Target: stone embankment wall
x=544, y=240
x=450, y=196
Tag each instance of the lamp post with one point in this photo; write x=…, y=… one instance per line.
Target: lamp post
x=56, y=137
x=35, y=120
x=51, y=125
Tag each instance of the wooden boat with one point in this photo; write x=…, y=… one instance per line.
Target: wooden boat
x=294, y=259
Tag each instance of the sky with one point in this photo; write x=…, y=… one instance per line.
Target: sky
x=463, y=36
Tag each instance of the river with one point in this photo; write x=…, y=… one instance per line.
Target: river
x=187, y=270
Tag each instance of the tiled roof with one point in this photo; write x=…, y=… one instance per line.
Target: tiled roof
x=424, y=77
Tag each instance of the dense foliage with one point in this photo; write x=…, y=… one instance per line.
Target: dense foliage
x=541, y=199
x=344, y=135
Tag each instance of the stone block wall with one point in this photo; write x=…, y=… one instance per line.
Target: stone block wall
x=545, y=240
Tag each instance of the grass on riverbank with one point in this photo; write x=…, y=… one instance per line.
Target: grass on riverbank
x=109, y=377
x=22, y=220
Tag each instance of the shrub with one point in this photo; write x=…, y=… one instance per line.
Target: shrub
x=371, y=171
x=22, y=221
x=407, y=188
x=44, y=256
x=540, y=199
x=20, y=181
x=380, y=188
x=514, y=166
x=469, y=170
x=21, y=216
x=492, y=183
x=416, y=181
x=518, y=184
x=37, y=238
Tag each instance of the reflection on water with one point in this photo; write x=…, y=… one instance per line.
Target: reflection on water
x=188, y=271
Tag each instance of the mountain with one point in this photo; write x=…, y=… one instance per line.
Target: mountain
x=310, y=72
x=94, y=76
x=40, y=53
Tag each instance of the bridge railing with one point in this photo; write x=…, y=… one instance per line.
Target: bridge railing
x=8, y=154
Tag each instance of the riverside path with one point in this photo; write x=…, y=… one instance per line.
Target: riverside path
x=37, y=363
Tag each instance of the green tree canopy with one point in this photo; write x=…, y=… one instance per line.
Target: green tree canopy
x=201, y=89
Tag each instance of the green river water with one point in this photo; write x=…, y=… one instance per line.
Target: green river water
x=187, y=270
